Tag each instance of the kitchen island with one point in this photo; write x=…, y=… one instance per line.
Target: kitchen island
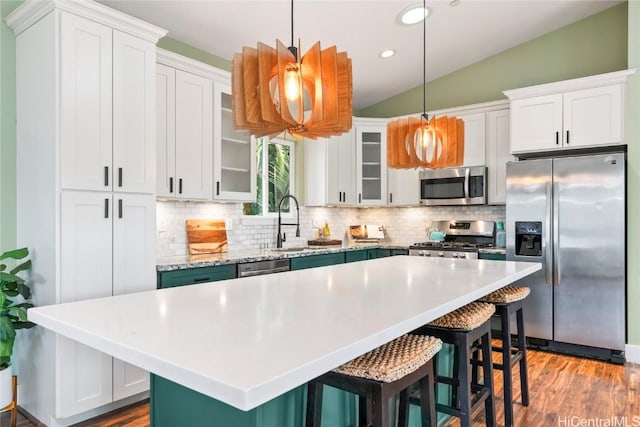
x=238, y=344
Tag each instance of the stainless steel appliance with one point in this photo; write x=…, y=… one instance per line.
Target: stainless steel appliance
x=453, y=186
x=462, y=239
x=569, y=214
x=258, y=268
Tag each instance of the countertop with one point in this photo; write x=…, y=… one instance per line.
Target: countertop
x=246, y=341
x=234, y=257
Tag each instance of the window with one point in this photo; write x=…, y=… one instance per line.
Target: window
x=275, y=175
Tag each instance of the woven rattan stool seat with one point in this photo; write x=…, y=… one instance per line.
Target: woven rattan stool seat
x=468, y=317
x=507, y=294
x=393, y=360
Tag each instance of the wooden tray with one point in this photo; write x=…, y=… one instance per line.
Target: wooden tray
x=324, y=242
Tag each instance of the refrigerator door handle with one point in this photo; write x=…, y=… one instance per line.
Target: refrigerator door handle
x=556, y=234
x=547, y=241
x=467, y=173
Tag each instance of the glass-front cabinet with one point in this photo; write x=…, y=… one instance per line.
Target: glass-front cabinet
x=371, y=162
x=234, y=153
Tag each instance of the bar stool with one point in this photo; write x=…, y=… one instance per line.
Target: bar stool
x=468, y=329
x=378, y=375
x=508, y=301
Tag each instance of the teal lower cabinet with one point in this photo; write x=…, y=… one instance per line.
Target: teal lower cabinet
x=190, y=276
x=492, y=256
x=175, y=405
x=383, y=252
x=311, y=261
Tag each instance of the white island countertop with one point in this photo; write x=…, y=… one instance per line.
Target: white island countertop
x=246, y=341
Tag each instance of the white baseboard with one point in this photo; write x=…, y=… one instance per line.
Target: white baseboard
x=632, y=353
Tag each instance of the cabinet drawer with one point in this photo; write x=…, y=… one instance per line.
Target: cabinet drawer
x=382, y=253
x=317, y=261
x=353, y=256
x=169, y=279
x=496, y=257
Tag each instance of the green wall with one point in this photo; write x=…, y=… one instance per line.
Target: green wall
x=595, y=45
x=192, y=52
x=633, y=178
x=7, y=129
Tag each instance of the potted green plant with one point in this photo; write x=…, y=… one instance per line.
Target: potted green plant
x=14, y=296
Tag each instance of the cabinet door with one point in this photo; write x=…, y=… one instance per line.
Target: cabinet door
x=134, y=70
x=340, y=170
x=85, y=272
x=85, y=100
x=234, y=153
x=497, y=155
x=536, y=124
x=474, y=139
x=165, y=131
x=194, y=139
x=134, y=250
x=371, y=165
x=404, y=187
x=593, y=117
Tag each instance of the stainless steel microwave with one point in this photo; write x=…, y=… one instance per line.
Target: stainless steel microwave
x=453, y=186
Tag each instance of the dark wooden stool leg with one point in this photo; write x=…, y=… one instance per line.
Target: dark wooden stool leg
x=363, y=411
x=464, y=386
x=507, y=380
x=380, y=409
x=524, y=382
x=314, y=404
x=427, y=402
x=487, y=374
x=403, y=408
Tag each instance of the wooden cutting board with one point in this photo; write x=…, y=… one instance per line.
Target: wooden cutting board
x=206, y=236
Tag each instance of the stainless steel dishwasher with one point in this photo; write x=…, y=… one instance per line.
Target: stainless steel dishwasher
x=257, y=268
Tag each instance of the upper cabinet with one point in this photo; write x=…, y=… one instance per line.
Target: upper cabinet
x=497, y=155
x=234, y=153
x=200, y=156
x=403, y=186
x=474, y=139
x=578, y=113
x=107, y=116
x=371, y=162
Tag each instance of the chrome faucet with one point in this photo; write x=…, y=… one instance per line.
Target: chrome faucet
x=282, y=238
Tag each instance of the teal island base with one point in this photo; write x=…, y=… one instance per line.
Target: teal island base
x=175, y=405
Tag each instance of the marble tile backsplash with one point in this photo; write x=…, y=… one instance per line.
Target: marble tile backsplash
x=402, y=225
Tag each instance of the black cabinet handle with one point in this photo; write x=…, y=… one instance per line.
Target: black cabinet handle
x=344, y=197
x=557, y=137
x=119, y=177
x=119, y=208
x=567, y=137
x=390, y=197
x=180, y=185
x=359, y=197
x=106, y=208
x=106, y=176
x=217, y=188
x=201, y=280
x=340, y=196
x=171, y=185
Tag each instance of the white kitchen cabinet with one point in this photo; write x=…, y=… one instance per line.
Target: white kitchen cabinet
x=85, y=83
x=234, y=153
x=184, y=125
x=371, y=162
x=497, y=155
x=474, y=139
x=403, y=187
x=107, y=124
x=579, y=113
x=341, y=183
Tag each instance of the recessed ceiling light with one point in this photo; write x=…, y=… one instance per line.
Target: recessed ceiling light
x=413, y=14
x=387, y=53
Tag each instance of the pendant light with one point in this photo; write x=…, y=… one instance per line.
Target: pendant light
x=274, y=90
x=425, y=142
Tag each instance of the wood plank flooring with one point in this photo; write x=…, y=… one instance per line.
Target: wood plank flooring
x=564, y=391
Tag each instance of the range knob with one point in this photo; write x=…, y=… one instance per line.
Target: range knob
x=462, y=255
x=454, y=255
x=441, y=254
x=421, y=253
x=427, y=253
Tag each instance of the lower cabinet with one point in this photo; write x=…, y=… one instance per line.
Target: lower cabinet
x=383, y=252
x=312, y=261
x=169, y=279
x=361, y=255
x=495, y=257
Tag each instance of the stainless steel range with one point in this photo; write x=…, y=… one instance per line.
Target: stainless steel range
x=462, y=239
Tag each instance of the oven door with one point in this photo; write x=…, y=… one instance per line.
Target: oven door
x=454, y=186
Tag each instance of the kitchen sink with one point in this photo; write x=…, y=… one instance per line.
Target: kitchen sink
x=293, y=249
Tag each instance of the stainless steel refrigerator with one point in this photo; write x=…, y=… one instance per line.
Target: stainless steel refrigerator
x=569, y=214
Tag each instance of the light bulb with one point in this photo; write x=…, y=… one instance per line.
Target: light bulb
x=292, y=84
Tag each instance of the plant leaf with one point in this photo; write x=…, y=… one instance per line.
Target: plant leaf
x=11, y=278
x=24, y=291
x=15, y=254
x=7, y=331
x=23, y=325
x=21, y=267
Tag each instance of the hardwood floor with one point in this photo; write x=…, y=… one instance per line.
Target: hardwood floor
x=564, y=391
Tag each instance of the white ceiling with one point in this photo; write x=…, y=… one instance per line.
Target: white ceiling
x=456, y=36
